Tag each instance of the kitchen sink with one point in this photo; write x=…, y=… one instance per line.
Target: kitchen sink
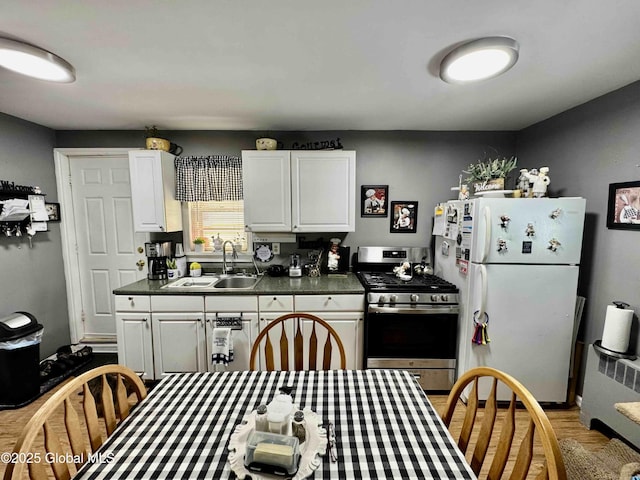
x=237, y=282
x=191, y=282
x=209, y=283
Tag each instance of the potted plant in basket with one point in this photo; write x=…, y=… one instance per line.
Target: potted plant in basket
x=489, y=174
x=154, y=141
x=198, y=244
x=172, y=269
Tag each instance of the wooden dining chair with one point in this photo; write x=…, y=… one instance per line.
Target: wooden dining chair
x=517, y=458
x=301, y=325
x=58, y=439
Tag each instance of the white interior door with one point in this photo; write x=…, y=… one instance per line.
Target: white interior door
x=107, y=246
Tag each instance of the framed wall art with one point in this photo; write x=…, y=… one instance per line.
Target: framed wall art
x=623, y=211
x=53, y=210
x=373, y=200
x=404, y=217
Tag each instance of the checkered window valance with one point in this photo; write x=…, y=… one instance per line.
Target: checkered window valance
x=202, y=179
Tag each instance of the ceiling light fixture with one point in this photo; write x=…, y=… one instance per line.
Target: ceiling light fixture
x=479, y=59
x=34, y=62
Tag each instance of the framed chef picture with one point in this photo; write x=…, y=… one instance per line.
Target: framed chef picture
x=623, y=212
x=373, y=200
x=404, y=217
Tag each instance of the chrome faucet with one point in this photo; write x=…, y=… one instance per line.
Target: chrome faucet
x=234, y=255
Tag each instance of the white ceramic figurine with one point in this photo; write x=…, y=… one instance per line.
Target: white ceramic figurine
x=540, y=180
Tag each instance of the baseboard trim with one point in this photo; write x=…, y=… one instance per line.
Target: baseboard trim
x=102, y=347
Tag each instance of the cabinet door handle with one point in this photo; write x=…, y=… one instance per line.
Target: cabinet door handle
x=145, y=319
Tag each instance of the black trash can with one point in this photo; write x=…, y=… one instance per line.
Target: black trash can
x=20, y=336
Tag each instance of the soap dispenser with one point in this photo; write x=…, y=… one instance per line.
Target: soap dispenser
x=217, y=243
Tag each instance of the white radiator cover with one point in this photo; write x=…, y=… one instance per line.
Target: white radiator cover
x=609, y=381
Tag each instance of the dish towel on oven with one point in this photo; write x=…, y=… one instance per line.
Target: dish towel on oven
x=222, y=348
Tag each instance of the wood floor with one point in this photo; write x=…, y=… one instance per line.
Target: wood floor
x=565, y=422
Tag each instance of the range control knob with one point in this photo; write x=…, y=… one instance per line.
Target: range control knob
x=382, y=299
x=393, y=298
x=414, y=297
x=434, y=298
x=445, y=298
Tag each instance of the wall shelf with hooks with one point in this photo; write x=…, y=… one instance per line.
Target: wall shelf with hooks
x=22, y=210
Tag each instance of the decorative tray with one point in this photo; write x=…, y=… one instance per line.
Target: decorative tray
x=493, y=193
x=315, y=445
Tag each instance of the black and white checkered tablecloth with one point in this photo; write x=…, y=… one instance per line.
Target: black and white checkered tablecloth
x=385, y=426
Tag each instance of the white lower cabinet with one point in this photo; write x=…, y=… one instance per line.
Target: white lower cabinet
x=135, y=347
x=345, y=313
x=219, y=309
x=348, y=326
x=133, y=331
x=163, y=334
x=275, y=303
x=178, y=325
x=178, y=343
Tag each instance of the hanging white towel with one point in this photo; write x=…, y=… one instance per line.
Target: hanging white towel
x=222, y=348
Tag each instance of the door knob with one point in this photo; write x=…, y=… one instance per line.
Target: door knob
x=140, y=264
x=140, y=250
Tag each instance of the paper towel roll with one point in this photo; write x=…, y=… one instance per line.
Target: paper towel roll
x=617, y=329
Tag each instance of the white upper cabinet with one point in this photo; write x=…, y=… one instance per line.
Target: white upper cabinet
x=323, y=191
x=266, y=185
x=153, y=180
x=299, y=191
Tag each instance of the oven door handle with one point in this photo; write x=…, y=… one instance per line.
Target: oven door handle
x=426, y=309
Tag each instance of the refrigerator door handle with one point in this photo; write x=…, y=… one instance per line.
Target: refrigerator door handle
x=483, y=292
x=486, y=211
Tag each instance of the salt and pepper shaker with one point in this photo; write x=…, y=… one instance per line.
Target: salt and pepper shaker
x=262, y=424
x=298, y=426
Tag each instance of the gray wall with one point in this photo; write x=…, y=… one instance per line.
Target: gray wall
x=32, y=279
x=587, y=148
x=420, y=166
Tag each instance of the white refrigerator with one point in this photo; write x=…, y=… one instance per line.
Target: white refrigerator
x=515, y=262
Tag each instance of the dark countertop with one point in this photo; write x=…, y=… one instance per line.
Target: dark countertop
x=266, y=286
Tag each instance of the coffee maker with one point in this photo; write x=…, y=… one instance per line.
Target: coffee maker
x=157, y=253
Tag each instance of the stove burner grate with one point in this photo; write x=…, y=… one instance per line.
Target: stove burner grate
x=388, y=281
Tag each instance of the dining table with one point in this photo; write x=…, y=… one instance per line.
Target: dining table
x=383, y=423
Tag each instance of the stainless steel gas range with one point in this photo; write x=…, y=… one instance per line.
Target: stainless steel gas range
x=411, y=321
